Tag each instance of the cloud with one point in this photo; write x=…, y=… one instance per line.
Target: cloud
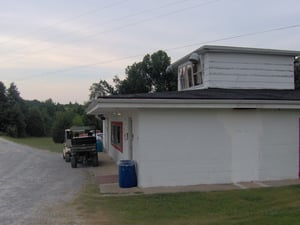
x=48, y=48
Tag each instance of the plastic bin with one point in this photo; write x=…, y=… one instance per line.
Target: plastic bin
x=127, y=174
x=99, y=145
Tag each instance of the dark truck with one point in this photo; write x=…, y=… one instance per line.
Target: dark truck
x=80, y=146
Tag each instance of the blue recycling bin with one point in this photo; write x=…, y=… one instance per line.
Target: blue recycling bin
x=99, y=145
x=127, y=174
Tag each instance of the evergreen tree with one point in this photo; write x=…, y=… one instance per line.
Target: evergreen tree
x=35, y=123
x=15, y=112
x=3, y=107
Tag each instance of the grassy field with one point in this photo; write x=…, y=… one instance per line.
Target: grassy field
x=264, y=206
x=44, y=143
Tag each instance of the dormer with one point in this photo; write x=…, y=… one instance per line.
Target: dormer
x=190, y=74
x=236, y=68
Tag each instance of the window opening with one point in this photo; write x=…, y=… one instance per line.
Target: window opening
x=190, y=75
x=117, y=135
x=190, y=78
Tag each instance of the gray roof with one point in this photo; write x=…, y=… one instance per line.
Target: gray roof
x=216, y=93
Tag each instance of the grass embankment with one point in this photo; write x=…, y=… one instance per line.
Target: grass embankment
x=264, y=206
x=44, y=143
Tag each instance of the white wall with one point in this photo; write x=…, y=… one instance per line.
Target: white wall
x=112, y=151
x=280, y=141
x=248, y=71
x=186, y=147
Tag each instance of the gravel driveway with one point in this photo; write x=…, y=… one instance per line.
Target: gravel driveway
x=32, y=182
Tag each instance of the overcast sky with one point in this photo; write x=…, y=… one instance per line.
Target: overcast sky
x=58, y=48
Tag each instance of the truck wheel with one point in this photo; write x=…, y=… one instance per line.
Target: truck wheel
x=67, y=158
x=95, y=160
x=73, y=162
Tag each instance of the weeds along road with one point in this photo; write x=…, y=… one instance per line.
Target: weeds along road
x=32, y=182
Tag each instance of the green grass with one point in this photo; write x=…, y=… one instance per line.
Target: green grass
x=265, y=206
x=44, y=143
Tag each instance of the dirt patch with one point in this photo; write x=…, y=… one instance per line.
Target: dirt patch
x=64, y=214
x=77, y=211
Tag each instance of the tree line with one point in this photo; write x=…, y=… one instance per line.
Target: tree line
x=21, y=118
x=148, y=75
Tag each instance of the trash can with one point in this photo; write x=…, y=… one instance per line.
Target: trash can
x=127, y=174
x=99, y=145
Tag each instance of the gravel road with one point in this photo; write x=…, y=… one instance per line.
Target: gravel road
x=32, y=182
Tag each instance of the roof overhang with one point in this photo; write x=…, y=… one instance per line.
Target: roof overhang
x=111, y=105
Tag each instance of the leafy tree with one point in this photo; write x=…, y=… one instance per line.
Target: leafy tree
x=20, y=117
x=155, y=66
x=150, y=75
x=137, y=80
x=47, y=121
x=16, y=121
x=35, y=123
x=50, y=107
x=77, y=120
x=47, y=111
x=102, y=88
x=141, y=77
x=63, y=121
x=76, y=108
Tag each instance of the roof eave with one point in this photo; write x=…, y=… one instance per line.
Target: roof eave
x=104, y=105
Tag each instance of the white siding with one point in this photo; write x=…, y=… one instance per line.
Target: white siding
x=175, y=150
x=186, y=147
x=228, y=70
x=112, y=151
x=279, y=146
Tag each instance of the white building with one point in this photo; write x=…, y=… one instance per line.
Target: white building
x=235, y=117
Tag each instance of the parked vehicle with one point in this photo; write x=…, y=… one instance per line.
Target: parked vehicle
x=67, y=146
x=80, y=146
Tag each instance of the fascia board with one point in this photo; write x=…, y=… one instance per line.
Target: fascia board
x=113, y=104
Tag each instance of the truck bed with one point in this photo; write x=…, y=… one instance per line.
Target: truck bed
x=83, y=144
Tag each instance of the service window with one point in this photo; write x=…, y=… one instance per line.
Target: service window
x=117, y=135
